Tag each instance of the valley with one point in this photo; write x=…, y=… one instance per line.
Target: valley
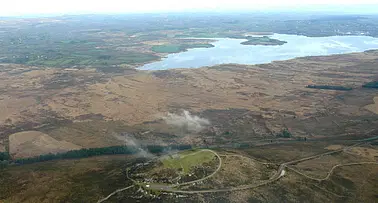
x=81, y=120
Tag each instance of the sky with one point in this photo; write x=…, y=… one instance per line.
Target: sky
x=41, y=7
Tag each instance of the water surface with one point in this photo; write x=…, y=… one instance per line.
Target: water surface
x=228, y=50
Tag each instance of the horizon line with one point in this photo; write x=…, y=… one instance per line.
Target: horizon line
x=238, y=11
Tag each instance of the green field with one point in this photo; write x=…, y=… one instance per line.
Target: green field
x=175, y=48
x=87, y=58
x=199, y=34
x=188, y=159
x=266, y=41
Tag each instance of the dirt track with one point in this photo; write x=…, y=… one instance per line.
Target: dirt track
x=113, y=193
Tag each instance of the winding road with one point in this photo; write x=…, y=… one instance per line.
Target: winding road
x=279, y=174
x=331, y=171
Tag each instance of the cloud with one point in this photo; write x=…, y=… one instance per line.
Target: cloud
x=22, y=7
x=186, y=121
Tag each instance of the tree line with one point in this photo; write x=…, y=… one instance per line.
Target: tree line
x=90, y=152
x=373, y=84
x=4, y=156
x=329, y=87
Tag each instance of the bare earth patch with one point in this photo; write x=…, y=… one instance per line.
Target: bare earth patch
x=373, y=107
x=34, y=143
x=365, y=152
x=334, y=147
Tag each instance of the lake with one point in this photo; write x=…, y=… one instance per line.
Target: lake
x=228, y=50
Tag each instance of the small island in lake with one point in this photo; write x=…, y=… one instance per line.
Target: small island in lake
x=265, y=40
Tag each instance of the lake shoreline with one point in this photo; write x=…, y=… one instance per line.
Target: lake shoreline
x=230, y=50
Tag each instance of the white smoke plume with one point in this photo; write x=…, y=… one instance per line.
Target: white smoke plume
x=129, y=140
x=186, y=121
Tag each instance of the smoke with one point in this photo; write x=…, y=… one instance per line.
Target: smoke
x=129, y=140
x=186, y=121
